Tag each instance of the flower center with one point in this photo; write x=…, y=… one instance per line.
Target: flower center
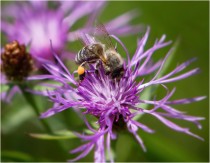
x=104, y=97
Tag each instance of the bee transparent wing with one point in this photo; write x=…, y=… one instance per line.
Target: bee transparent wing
x=82, y=39
x=102, y=35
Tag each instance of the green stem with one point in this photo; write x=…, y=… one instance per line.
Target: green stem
x=30, y=99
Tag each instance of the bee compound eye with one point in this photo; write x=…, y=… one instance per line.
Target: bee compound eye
x=81, y=70
x=99, y=51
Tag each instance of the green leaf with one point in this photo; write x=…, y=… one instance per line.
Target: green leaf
x=16, y=156
x=4, y=87
x=87, y=131
x=123, y=146
x=16, y=117
x=174, y=150
x=40, y=87
x=64, y=134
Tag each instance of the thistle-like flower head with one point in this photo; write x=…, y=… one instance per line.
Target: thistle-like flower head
x=117, y=103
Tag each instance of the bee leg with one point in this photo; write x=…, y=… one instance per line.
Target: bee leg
x=117, y=73
x=106, y=69
x=81, y=77
x=81, y=71
x=98, y=64
x=97, y=67
x=115, y=47
x=84, y=64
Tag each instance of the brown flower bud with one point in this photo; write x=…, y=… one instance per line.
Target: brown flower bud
x=16, y=62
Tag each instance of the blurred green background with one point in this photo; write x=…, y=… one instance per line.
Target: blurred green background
x=186, y=21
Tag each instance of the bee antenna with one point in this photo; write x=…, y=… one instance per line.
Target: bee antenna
x=115, y=47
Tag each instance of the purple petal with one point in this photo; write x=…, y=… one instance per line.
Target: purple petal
x=82, y=10
x=123, y=46
x=122, y=20
x=192, y=119
x=80, y=148
x=38, y=4
x=83, y=154
x=176, y=70
x=108, y=145
x=57, y=109
x=186, y=100
x=174, y=126
x=185, y=75
x=7, y=96
x=142, y=126
x=99, y=154
x=69, y=76
x=140, y=48
x=148, y=69
x=90, y=137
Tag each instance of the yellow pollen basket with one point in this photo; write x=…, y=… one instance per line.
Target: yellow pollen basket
x=80, y=70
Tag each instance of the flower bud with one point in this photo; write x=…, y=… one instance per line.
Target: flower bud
x=16, y=62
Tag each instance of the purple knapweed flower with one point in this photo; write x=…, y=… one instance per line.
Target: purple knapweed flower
x=34, y=23
x=116, y=103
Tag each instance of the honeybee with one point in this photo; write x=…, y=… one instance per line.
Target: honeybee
x=97, y=51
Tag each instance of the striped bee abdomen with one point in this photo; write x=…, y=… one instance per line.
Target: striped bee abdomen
x=86, y=54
